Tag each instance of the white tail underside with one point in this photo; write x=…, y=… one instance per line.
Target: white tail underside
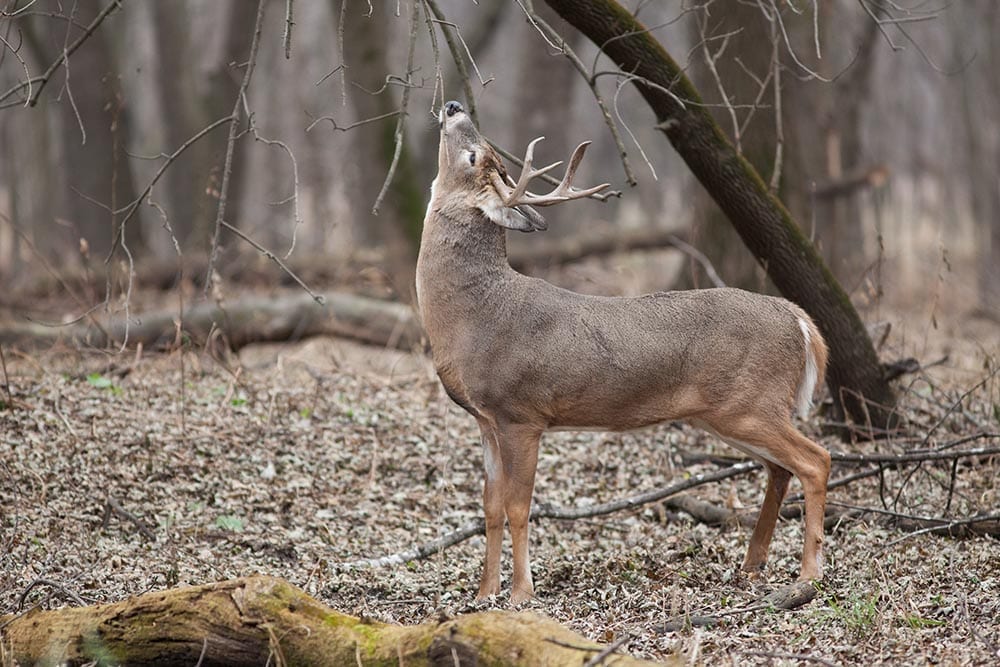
x=808, y=384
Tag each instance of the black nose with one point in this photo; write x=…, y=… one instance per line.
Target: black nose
x=452, y=108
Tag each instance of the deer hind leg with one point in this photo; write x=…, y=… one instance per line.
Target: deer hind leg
x=783, y=447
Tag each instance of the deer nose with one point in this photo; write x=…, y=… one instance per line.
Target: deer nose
x=452, y=108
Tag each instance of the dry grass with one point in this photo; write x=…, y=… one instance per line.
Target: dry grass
x=322, y=452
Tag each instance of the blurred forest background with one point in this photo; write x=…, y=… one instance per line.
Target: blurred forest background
x=875, y=120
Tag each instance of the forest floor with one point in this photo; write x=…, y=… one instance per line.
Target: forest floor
x=121, y=475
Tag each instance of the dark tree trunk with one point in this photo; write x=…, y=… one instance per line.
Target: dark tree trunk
x=189, y=207
x=749, y=44
x=855, y=375
x=217, y=100
x=95, y=136
x=398, y=222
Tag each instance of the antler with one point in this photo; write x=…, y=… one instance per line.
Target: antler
x=564, y=191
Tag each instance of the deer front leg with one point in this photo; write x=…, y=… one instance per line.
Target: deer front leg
x=519, y=454
x=760, y=541
x=493, y=508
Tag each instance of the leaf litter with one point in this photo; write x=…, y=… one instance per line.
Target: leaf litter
x=290, y=459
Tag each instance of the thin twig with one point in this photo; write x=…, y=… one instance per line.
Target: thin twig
x=944, y=526
x=294, y=197
x=563, y=46
x=456, y=55
x=24, y=65
x=131, y=208
x=289, y=22
x=401, y=120
x=917, y=456
x=608, y=651
x=51, y=584
x=112, y=506
x=6, y=380
x=47, y=75
x=318, y=298
x=345, y=128
x=231, y=145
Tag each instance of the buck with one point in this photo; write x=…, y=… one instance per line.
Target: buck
x=523, y=356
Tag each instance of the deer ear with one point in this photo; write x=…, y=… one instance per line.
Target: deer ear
x=520, y=218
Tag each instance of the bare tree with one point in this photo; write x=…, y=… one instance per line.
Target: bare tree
x=94, y=129
x=856, y=379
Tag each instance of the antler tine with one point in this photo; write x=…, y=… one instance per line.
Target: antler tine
x=527, y=173
x=563, y=192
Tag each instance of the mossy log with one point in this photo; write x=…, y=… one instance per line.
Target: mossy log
x=262, y=620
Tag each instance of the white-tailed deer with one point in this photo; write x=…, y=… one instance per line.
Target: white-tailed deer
x=523, y=356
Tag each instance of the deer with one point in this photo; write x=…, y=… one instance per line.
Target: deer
x=524, y=357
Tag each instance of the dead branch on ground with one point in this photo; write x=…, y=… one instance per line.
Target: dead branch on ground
x=247, y=320
x=478, y=526
x=787, y=598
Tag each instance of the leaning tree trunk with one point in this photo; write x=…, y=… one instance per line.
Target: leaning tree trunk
x=855, y=376
x=262, y=620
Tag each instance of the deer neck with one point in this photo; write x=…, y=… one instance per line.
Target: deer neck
x=462, y=268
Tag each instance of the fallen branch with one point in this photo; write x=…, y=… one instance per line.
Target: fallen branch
x=917, y=456
x=478, y=527
x=248, y=320
x=549, y=252
x=263, y=620
x=112, y=506
x=787, y=598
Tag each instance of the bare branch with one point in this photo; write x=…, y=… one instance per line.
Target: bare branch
x=557, y=41
x=401, y=120
x=318, y=298
x=478, y=526
x=289, y=22
x=24, y=65
x=294, y=197
x=231, y=144
x=351, y=126
x=456, y=56
x=47, y=75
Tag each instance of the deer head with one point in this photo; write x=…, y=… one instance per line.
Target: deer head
x=468, y=167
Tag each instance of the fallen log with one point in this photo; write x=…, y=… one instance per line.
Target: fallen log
x=262, y=620
x=246, y=320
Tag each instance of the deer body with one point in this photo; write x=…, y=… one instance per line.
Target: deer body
x=524, y=356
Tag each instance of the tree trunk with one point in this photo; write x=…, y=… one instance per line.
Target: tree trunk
x=94, y=119
x=855, y=375
x=748, y=44
x=261, y=620
x=367, y=32
x=189, y=207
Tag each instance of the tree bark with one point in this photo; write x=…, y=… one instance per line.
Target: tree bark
x=398, y=223
x=262, y=620
x=745, y=48
x=94, y=128
x=765, y=225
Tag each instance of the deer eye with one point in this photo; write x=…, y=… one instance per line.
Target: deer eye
x=472, y=158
